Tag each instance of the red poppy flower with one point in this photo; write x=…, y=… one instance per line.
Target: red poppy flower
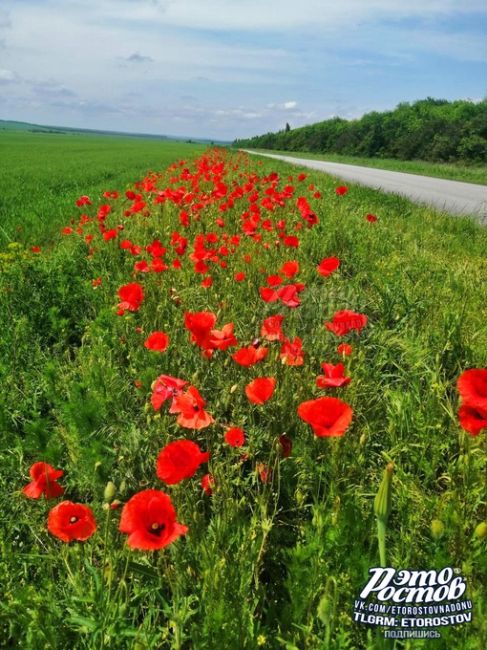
x=334, y=376
x=328, y=416
x=110, y=234
x=222, y=339
x=208, y=483
x=156, y=249
x=288, y=294
x=327, y=266
x=292, y=352
x=71, y=521
x=157, y=341
x=271, y=328
x=235, y=437
x=341, y=190
x=43, y=482
x=250, y=355
x=344, y=349
x=472, y=386
x=149, y=519
x=141, y=267
x=306, y=212
x=291, y=241
x=265, y=472
x=344, y=321
x=83, y=200
x=207, y=282
x=158, y=266
x=286, y=445
x=190, y=406
x=472, y=418
x=131, y=295
x=274, y=280
x=200, y=324
x=289, y=269
x=165, y=387
x=371, y=218
x=239, y=277
x=179, y=460
x=260, y=390
x=267, y=294
x=35, y=249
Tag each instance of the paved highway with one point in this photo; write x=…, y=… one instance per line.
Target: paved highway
x=454, y=197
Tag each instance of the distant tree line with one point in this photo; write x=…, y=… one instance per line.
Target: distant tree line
x=429, y=129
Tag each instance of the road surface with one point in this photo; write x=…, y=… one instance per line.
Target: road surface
x=454, y=197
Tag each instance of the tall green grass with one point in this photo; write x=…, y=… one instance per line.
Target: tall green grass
x=272, y=565
x=43, y=174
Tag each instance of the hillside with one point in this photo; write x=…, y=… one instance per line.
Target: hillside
x=13, y=125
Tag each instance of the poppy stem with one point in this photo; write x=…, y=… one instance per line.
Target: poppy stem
x=381, y=537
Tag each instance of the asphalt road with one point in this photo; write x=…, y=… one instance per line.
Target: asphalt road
x=454, y=197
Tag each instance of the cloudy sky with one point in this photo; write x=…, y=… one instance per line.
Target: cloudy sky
x=232, y=68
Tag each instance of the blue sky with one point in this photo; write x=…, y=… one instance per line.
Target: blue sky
x=233, y=68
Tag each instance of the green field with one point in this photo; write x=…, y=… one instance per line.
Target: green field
x=451, y=171
x=43, y=174
x=277, y=555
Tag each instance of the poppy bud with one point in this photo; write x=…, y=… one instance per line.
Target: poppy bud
x=437, y=528
x=336, y=510
x=480, y=531
x=318, y=520
x=325, y=608
x=363, y=439
x=110, y=492
x=108, y=572
x=382, y=502
x=233, y=388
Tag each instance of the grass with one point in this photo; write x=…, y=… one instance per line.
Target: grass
x=451, y=171
x=275, y=563
x=43, y=174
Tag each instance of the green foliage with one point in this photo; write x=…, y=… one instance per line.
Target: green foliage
x=274, y=565
x=429, y=129
x=43, y=175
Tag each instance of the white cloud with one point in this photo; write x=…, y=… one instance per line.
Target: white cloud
x=6, y=76
x=271, y=15
x=235, y=62
x=284, y=106
x=45, y=38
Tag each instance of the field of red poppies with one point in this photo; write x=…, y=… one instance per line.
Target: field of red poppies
x=210, y=378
